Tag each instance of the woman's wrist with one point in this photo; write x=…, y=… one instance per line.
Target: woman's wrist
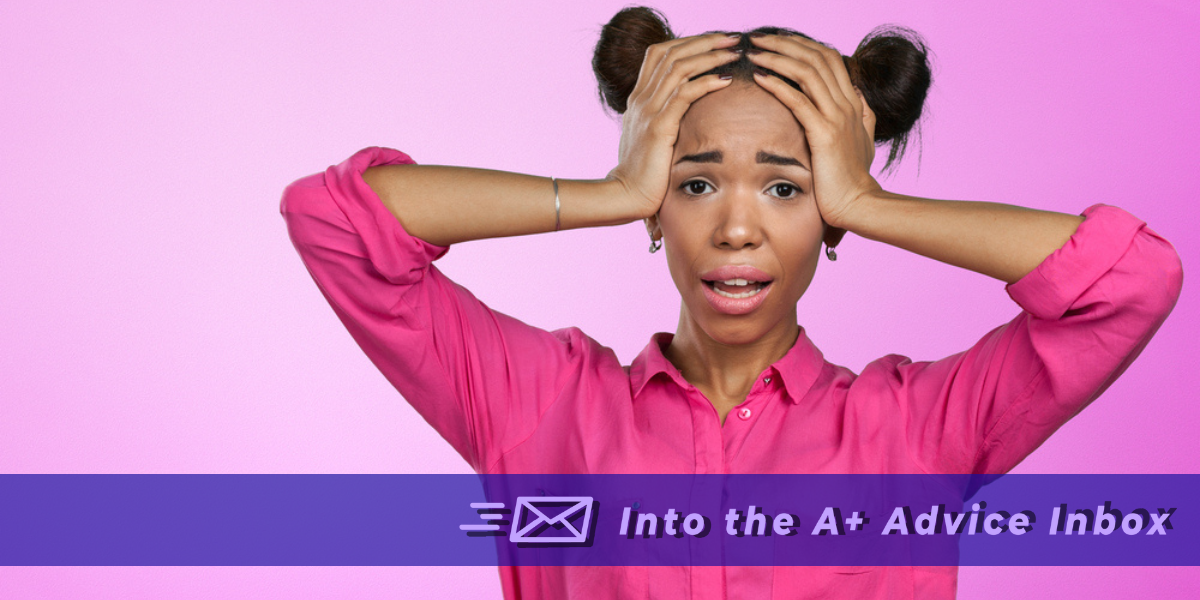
x=596, y=203
x=858, y=218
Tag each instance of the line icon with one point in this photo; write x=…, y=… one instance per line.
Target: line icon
x=495, y=517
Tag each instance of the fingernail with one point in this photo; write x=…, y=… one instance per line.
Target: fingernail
x=735, y=36
x=754, y=51
x=725, y=76
x=760, y=71
x=758, y=34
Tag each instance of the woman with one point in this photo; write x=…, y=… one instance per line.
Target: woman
x=742, y=154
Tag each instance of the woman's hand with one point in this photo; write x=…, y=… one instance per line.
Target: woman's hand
x=663, y=93
x=837, y=122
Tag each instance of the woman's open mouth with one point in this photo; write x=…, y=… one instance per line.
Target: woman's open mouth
x=737, y=288
x=736, y=296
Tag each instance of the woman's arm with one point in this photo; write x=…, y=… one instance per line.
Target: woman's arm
x=1000, y=240
x=481, y=378
x=447, y=205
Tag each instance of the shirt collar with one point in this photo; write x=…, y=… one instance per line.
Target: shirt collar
x=798, y=369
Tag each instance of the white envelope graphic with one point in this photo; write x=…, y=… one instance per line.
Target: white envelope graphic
x=546, y=512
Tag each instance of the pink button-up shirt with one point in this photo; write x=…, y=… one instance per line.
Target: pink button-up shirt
x=513, y=398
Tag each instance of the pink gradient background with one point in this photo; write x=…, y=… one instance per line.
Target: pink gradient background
x=156, y=318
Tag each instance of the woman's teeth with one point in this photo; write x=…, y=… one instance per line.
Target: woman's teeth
x=755, y=287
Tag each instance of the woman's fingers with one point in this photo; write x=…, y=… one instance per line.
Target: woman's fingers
x=683, y=70
x=805, y=74
x=836, y=64
x=660, y=58
x=804, y=49
x=684, y=95
x=816, y=67
x=804, y=109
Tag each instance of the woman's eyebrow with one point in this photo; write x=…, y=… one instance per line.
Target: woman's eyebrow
x=775, y=159
x=712, y=156
x=716, y=156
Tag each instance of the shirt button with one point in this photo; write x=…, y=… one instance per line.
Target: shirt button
x=766, y=380
x=744, y=414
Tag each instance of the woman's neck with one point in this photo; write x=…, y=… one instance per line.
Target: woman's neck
x=725, y=372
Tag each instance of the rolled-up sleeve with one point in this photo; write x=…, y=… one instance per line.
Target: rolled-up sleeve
x=481, y=378
x=1088, y=310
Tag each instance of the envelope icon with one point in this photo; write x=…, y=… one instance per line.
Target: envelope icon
x=552, y=519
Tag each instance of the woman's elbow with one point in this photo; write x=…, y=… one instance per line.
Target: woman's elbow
x=1169, y=270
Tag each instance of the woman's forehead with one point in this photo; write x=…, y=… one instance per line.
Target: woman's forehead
x=740, y=122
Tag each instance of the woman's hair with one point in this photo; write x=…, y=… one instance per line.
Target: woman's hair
x=890, y=67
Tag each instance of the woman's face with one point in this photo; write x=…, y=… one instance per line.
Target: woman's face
x=740, y=196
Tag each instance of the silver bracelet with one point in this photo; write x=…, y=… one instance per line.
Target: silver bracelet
x=557, y=222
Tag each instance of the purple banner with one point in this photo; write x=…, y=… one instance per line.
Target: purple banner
x=598, y=520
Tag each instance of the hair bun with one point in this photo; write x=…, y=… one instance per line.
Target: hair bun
x=619, y=54
x=891, y=68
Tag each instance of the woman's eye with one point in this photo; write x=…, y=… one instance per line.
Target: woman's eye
x=785, y=190
x=694, y=188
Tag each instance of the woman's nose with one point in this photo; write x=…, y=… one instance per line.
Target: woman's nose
x=740, y=221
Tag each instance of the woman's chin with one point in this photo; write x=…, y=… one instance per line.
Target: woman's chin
x=735, y=330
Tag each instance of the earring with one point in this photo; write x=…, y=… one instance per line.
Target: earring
x=655, y=245
x=830, y=253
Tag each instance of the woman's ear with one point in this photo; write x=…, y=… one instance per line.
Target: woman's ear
x=833, y=236
x=652, y=228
